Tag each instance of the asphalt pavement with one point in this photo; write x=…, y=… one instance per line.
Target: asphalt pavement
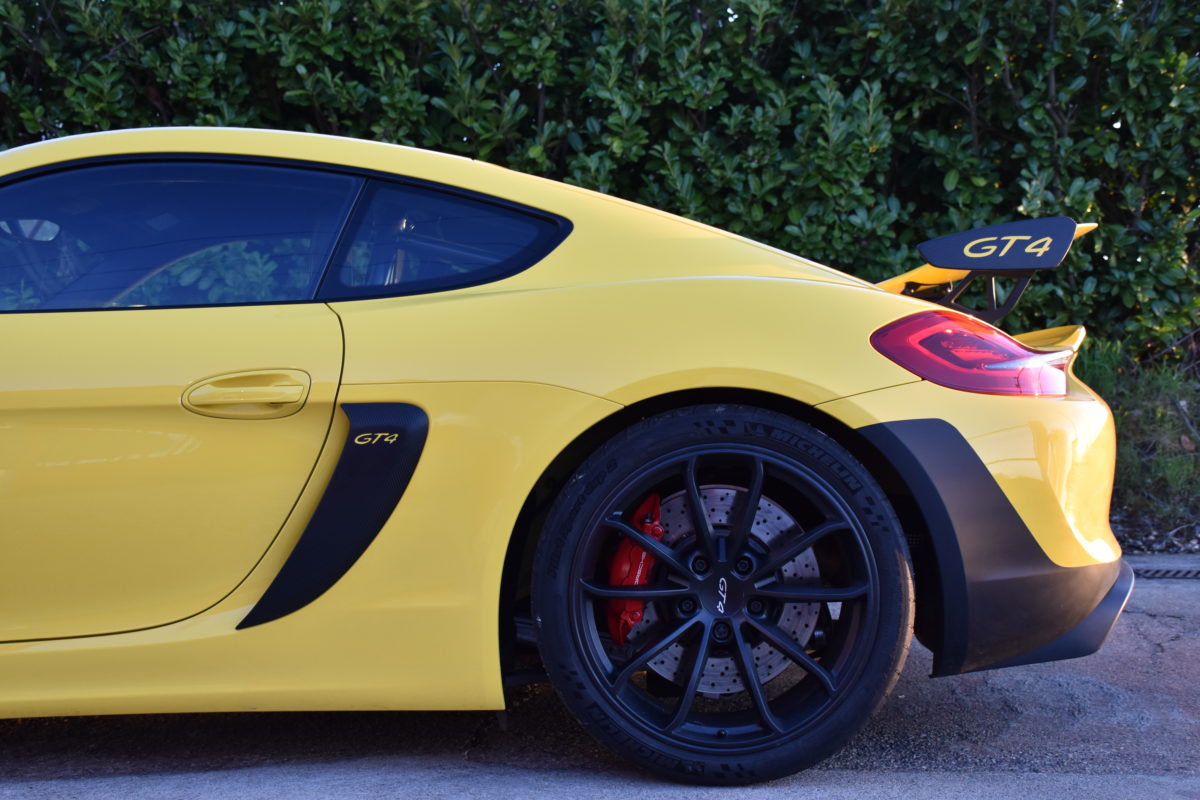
x=1124, y=722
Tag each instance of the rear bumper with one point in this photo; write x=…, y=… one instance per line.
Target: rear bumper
x=998, y=600
x=1086, y=637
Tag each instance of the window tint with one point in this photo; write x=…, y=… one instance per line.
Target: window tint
x=410, y=239
x=168, y=234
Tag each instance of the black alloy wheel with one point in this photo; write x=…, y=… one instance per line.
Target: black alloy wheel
x=773, y=613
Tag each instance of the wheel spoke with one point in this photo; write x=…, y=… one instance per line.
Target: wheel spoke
x=745, y=523
x=801, y=541
x=745, y=661
x=656, y=548
x=648, y=654
x=689, y=691
x=807, y=593
x=700, y=521
x=633, y=592
x=780, y=640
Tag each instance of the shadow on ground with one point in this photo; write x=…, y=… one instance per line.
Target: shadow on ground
x=1132, y=708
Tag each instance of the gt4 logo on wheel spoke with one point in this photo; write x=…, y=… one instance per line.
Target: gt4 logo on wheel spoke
x=722, y=590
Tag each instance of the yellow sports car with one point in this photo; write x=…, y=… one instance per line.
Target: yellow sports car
x=298, y=422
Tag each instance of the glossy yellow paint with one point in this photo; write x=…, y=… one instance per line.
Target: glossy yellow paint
x=412, y=626
x=121, y=509
x=635, y=304
x=253, y=394
x=1052, y=456
x=1065, y=337
x=665, y=338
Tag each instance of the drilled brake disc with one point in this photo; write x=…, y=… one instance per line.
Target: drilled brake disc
x=721, y=675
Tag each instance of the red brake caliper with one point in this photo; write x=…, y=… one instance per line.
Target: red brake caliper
x=631, y=566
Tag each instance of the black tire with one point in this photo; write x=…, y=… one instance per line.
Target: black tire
x=811, y=596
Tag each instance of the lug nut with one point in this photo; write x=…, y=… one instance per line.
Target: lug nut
x=722, y=631
x=700, y=564
x=744, y=565
x=756, y=606
x=687, y=606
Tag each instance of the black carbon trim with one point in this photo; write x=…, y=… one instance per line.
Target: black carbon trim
x=381, y=452
x=1002, y=597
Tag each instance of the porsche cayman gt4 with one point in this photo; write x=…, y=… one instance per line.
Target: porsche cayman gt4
x=298, y=422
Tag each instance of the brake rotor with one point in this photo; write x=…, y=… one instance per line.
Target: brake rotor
x=721, y=675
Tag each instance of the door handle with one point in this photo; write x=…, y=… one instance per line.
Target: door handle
x=209, y=395
x=254, y=394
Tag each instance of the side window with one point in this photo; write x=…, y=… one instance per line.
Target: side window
x=409, y=239
x=168, y=233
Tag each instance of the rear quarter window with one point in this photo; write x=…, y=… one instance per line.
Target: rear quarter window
x=410, y=239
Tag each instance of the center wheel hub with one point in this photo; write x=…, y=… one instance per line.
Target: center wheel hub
x=724, y=595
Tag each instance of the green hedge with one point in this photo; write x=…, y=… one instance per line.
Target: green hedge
x=840, y=131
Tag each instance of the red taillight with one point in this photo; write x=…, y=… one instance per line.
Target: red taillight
x=961, y=352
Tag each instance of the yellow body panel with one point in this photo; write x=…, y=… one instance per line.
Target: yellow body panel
x=413, y=625
x=122, y=509
x=635, y=304
x=1065, y=337
x=1052, y=456
x=664, y=339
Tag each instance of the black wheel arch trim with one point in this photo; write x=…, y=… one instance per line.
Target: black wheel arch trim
x=1003, y=601
x=380, y=454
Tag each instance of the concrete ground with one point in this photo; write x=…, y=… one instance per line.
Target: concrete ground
x=1124, y=722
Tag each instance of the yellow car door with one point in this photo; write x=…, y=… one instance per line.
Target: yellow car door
x=166, y=383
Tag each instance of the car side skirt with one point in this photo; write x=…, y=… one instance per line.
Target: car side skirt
x=382, y=448
x=1003, y=601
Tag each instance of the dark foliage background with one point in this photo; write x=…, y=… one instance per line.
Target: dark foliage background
x=843, y=131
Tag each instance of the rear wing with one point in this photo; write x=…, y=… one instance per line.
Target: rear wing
x=1013, y=250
